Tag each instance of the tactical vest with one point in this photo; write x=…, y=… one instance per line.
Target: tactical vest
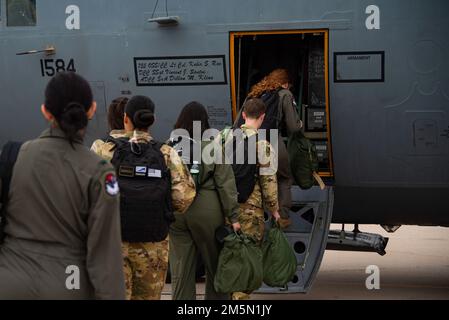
x=145, y=190
x=244, y=164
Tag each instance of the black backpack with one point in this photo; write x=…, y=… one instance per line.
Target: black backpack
x=8, y=159
x=145, y=190
x=272, y=115
x=245, y=168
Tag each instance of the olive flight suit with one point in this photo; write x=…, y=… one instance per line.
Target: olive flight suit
x=194, y=231
x=289, y=124
x=63, y=224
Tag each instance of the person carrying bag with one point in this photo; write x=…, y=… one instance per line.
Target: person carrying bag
x=239, y=265
x=279, y=259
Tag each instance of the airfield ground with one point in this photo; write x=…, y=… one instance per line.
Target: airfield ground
x=416, y=266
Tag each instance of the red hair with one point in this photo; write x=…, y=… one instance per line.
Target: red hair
x=272, y=82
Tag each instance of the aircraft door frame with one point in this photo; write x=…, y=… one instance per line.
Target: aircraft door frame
x=234, y=37
x=311, y=213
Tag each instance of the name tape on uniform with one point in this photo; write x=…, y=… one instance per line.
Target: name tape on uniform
x=139, y=171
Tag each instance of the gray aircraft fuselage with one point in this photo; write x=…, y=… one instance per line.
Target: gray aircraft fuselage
x=371, y=75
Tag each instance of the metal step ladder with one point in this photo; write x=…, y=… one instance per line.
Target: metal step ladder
x=311, y=216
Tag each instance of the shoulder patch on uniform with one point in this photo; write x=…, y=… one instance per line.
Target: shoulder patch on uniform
x=111, y=185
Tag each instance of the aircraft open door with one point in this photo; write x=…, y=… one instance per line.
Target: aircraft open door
x=311, y=218
x=304, y=53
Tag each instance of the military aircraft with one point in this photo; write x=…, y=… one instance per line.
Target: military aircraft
x=370, y=79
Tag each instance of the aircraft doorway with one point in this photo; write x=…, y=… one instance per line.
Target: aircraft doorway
x=305, y=55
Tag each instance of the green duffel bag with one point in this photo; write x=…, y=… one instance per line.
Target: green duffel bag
x=239, y=265
x=303, y=160
x=279, y=259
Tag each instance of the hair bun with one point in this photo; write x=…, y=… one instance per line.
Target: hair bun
x=73, y=105
x=143, y=119
x=73, y=119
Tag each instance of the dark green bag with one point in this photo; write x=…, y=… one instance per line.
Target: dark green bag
x=279, y=259
x=303, y=160
x=239, y=265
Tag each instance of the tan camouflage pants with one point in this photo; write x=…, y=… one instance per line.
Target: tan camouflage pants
x=145, y=268
x=252, y=222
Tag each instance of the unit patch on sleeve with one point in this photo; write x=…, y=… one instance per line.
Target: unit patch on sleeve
x=111, y=185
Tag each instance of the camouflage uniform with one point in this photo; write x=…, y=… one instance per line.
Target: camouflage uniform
x=264, y=197
x=145, y=268
x=146, y=264
x=104, y=149
x=288, y=125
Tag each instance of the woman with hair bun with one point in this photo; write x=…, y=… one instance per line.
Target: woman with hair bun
x=62, y=233
x=154, y=183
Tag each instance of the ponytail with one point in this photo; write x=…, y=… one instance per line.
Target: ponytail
x=72, y=119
